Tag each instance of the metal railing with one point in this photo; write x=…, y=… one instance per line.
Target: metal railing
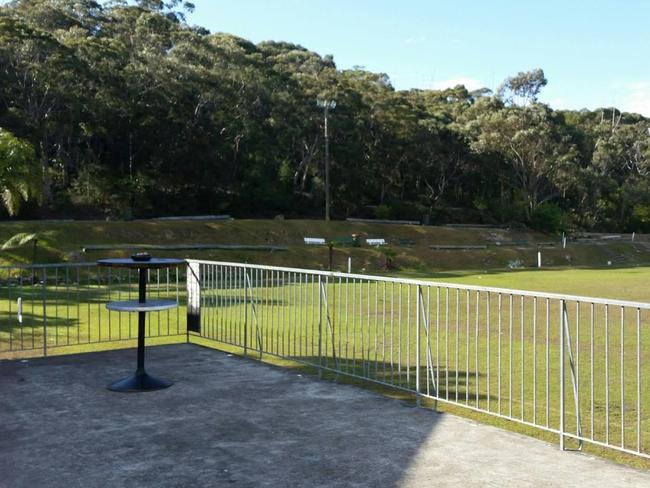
x=56, y=306
x=573, y=366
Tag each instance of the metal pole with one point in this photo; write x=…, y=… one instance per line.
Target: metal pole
x=44, y=312
x=245, y=313
x=142, y=298
x=327, y=167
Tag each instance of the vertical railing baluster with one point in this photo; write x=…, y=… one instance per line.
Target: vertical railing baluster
x=606, y=374
x=457, y=340
x=534, y=360
x=562, y=419
x=638, y=380
x=417, y=348
x=44, y=292
x=320, y=329
x=510, y=356
x=622, y=359
x=592, y=367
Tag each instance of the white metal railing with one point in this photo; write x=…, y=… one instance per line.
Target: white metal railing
x=49, y=306
x=574, y=366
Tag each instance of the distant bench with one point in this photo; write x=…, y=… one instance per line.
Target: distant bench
x=376, y=242
x=319, y=241
x=314, y=241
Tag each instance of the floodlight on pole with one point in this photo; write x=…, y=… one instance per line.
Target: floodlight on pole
x=326, y=105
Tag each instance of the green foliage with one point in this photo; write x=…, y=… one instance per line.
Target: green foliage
x=123, y=109
x=389, y=257
x=547, y=217
x=383, y=212
x=18, y=240
x=641, y=218
x=524, y=86
x=18, y=171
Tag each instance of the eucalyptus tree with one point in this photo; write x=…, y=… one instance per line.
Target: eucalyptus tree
x=524, y=87
x=532, y=142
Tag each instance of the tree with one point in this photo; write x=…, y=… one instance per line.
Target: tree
x=130, y=111
x=625, y=151
x=18, y=172
x=531, y=141
x=524, y=87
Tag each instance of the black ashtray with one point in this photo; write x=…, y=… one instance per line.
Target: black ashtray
x=141, y=256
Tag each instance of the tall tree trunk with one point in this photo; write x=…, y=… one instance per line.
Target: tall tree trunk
x=46, y=188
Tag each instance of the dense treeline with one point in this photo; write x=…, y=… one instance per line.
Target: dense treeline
x=131, y=112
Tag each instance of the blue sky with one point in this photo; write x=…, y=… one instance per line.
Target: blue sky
x=594, y=53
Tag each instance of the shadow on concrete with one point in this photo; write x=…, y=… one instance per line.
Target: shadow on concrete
x=232, y=421
x=226, y=420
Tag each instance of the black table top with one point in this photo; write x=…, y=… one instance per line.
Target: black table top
x=130, y=263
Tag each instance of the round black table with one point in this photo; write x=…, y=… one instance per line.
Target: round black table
x=140, y=380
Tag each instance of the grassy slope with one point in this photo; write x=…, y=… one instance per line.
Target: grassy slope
x=63, y=241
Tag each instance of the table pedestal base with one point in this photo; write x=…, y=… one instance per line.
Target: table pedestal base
x=139, y=382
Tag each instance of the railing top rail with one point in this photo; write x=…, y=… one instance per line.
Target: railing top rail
x=409, y=281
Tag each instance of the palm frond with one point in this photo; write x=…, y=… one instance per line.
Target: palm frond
x=18, y=240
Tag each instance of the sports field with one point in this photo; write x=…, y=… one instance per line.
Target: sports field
x=619, y=283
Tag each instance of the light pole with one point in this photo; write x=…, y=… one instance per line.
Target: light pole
x=327, y=105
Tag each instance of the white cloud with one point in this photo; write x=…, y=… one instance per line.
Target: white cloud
x=415, y=40
x=469, y=83
x=636, y=98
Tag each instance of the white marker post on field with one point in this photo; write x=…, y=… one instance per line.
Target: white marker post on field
x=349, y=264
x=539, y=259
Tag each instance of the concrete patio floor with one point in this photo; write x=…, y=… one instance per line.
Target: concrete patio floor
x=229, y=421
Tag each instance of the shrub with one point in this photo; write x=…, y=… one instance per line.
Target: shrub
x=383, y=212
x=547, y=217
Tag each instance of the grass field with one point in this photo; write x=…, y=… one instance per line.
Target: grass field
x=617, y=283
x=372, y=335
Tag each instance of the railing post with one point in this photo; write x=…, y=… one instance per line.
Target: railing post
x=193, y=285
x=320, y=327
x=245, y=313
x=562, y=414
x=45, y=312
x=417, y=342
